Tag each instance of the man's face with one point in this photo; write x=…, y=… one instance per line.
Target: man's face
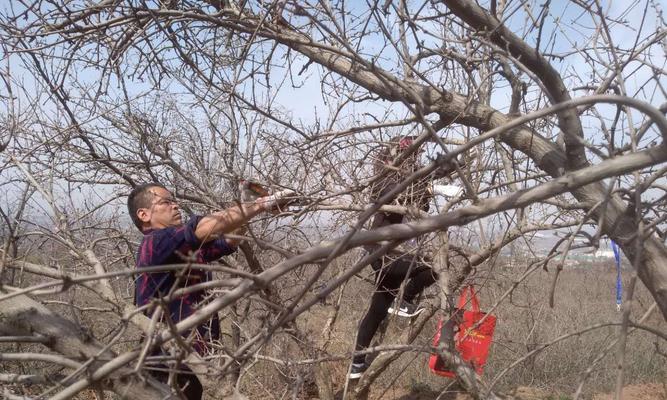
x=163, y=211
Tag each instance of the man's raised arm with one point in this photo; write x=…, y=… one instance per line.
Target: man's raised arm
x=232, y=218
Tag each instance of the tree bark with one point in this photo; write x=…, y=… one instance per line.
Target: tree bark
x=21, y=315
x=454, y=107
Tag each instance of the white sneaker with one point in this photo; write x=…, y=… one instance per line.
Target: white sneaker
x=405, y=309
x=356, y=370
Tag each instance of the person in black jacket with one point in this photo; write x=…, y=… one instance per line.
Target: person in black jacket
x=392, y=270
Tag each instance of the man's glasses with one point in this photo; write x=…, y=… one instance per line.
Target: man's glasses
x=166, y=201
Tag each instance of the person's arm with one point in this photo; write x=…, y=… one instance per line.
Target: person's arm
x=232, y=218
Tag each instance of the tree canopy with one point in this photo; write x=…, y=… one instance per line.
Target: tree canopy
x=552, y=112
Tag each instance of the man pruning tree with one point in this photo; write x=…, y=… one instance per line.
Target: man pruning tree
x=168, y=240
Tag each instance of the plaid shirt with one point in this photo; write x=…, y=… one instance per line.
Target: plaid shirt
x=174, y=245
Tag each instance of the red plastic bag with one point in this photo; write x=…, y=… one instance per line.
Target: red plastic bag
x=472, y=342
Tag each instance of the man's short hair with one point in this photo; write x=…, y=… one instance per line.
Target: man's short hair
x=141, y=197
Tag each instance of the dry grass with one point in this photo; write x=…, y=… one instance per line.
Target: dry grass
x=584, y=296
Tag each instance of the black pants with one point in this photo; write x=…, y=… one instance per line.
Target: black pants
x=188, y=382
x=389, y=279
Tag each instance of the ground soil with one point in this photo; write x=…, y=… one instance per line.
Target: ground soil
x=654, y=391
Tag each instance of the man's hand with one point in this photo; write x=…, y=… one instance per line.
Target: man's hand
x=277, y=200
x=251, y=190
x=255, y=192
x=231, y=218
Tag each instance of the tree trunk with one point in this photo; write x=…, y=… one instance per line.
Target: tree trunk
x=23, y=316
